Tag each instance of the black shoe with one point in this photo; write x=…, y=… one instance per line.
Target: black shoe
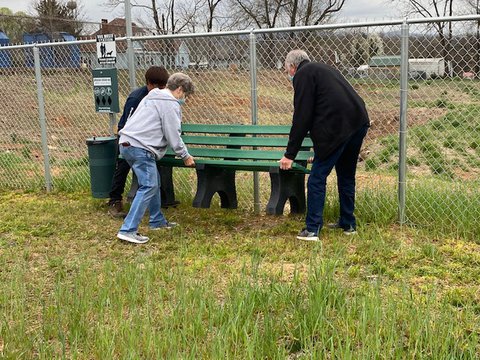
x=172, y=204
x=115, y=209
x=307, y=235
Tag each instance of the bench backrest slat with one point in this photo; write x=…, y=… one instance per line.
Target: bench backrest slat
x=240, y=141
x=237, y=129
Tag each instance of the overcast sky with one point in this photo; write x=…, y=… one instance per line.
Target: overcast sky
x=94, y=10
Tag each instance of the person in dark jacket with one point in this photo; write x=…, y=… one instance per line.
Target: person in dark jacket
x=327, y=107
x=155, y=77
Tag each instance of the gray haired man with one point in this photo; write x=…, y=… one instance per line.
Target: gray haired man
x=327, y=107
x=155, y=125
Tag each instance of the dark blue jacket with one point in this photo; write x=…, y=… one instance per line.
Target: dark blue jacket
x=131, y=104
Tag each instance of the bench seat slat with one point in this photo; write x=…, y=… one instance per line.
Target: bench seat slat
x=240, y=141
x=242, y=154
x=234, y=164
x=237, y=129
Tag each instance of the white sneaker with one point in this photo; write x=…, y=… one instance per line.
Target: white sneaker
x=350, y=231
x=132, y=237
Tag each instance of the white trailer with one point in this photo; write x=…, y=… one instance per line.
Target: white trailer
x=432, y=67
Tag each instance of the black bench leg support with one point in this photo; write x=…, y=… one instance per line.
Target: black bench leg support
x=167, y=190
x=214, y=180
x=285, y=186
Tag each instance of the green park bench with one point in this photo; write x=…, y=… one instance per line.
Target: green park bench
x=221, y=150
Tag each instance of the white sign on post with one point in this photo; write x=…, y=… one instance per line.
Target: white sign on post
x=106, y=49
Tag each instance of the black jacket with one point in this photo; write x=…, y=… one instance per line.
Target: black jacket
x=327, y=106
x=131, y=104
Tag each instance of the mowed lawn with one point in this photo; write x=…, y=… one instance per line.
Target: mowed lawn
x=228, y=284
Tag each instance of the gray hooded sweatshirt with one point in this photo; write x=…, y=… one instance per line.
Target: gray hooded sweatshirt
x=155, y=124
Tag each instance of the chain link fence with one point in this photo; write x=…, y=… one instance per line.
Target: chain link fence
x=239, y=79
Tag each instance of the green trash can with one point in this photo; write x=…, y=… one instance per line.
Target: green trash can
x=102, y=153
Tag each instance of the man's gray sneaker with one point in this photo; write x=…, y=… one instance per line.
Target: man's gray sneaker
x=132, y=237
x=349, y=231
x=307, y=235
x=333, y=226
x=167, y=225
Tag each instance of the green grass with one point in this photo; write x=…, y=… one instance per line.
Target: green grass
x=231, y=284
x=446, y=146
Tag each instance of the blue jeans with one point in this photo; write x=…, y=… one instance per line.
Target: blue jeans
x=344, y=159
x=143, y=164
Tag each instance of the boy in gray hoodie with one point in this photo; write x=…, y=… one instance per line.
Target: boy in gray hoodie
x=155, y=125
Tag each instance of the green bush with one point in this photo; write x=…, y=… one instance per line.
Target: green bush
x=371, y=164
x=440, y=103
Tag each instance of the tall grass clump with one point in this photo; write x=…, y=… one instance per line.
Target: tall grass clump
x=444, y=209
x=146, y=309
x=378, y=206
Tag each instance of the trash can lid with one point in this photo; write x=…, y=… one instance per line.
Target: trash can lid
x=96, y=140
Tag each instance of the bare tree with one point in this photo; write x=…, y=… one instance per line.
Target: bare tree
x=262, y=13
x=56, y=16
x=473, y=6
x=15, y=24
x=169, y=16
x=212, y=6
x=435, y=8
x=311, y=12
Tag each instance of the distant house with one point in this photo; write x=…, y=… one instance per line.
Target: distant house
x=174, y=54
x=118, y=27
x=182, y=56
x=167, y=53
x=384, y=67
x=53, y=56
x=5, y=57
x=170, y=54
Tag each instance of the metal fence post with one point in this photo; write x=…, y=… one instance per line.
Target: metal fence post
x=43, y=125
x=254, y=113
x=402, y=165
x=113, y=122
x=130, y=54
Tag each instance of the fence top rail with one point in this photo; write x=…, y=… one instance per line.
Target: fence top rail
x=313, y=27
x=48, y=44
x=260, y=31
